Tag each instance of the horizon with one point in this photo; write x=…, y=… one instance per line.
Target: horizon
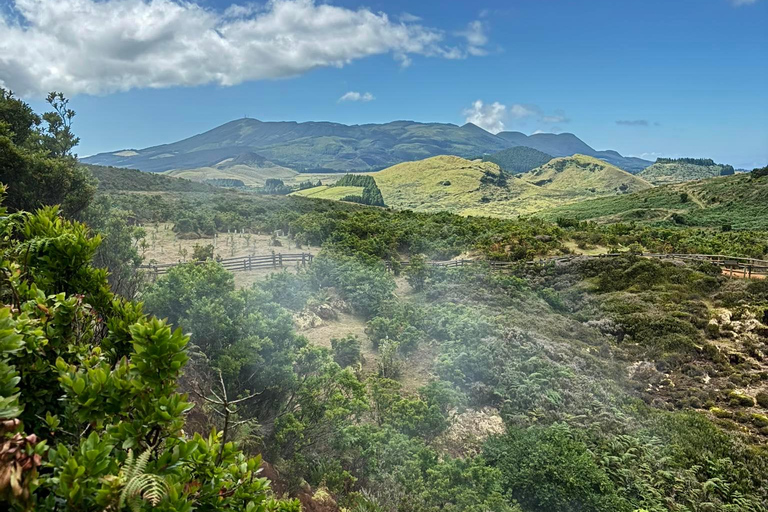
x=647, y=79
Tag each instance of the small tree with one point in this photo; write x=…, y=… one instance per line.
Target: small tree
x=202, y=252
x=417, y=272
x=346, y=351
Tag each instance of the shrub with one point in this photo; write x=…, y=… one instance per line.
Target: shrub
x=346, y=351
x=762, y=399
x=744, y=400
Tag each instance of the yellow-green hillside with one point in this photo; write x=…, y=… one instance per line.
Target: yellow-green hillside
x=474, y=187
x=447, y=183
x=326, y=192
x=584, y=176
x=250, y=175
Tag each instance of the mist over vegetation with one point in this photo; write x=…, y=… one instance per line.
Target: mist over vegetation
x=426, y=353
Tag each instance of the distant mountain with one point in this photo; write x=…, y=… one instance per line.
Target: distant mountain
x=567, y=144
x=680, y=170
x=311, y=146
x=518, y=159
x=323, y=146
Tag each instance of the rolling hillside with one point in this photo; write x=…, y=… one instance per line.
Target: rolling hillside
x=584, y=175
x=474, y=187
x=252, y=169
x=738, y=202
x=518, y=159
x=323, y=146
x=567, y=144
x=446, y=183
x=666, y=171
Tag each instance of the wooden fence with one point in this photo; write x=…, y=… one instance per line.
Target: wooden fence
x=732, y=266
x=244, y=263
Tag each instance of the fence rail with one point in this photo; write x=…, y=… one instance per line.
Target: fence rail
x=243, y=263
x=733, y=266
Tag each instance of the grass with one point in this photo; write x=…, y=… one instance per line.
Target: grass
x=251, y=176
x=474, y=187
x=326, y=192
x=679, y=172
x=737, y=201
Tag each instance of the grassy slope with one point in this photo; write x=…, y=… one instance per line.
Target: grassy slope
x=735, y=200
x=583, y=175
x=450, y=183
x=252, y=176
x=119, y=179
x=444, y=183
x=326, y=192
x=679, y=172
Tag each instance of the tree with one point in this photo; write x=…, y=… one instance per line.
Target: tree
x=36, y=163
x=417, y=272
x=88, y=384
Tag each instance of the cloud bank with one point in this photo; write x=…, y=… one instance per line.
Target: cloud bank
x=492, y=117
x=104, y=46
x=356, y=96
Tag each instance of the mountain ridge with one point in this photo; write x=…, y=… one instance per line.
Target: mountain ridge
x=336, y=147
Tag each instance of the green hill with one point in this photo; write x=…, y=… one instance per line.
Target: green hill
x=475, y=187
x=446, y=183
x=666, y=171
x=738, y=202
x=250, y=168
x=518, y=159
x=117, y=179
x=582, y=175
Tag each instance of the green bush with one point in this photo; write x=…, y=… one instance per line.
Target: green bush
x=346, y=351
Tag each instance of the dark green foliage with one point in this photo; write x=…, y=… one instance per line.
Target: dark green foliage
x=202, y=252
x=346, y=351
x=548, y=469
x=95, y=380
x=371, y=194
x=225, y=182
x=112, y=179
x=519, y=159
x=36, y=161
x=274, y=186
x=759, y=173
x=692, y=161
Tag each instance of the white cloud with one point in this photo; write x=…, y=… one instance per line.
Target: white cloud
x=476, y=37
x=407, y=17
x=520, y=111
x=488, y=117
x=103, y=46
x=492, y=117
x=356, y=96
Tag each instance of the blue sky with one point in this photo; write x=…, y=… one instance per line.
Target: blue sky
x=647, y=78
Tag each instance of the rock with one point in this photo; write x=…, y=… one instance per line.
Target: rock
x=306, y=320
x=326, y=312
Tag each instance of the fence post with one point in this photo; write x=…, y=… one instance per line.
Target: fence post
x=303, y=260
x=281, y=258
x=274, y=261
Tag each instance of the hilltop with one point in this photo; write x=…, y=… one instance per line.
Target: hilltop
x=518, y=159
x=665, y=171
x=727, y=202
x=324, y=146
x=584, y=175
x=476, y=187
x=568, y=144
x=446, y=183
